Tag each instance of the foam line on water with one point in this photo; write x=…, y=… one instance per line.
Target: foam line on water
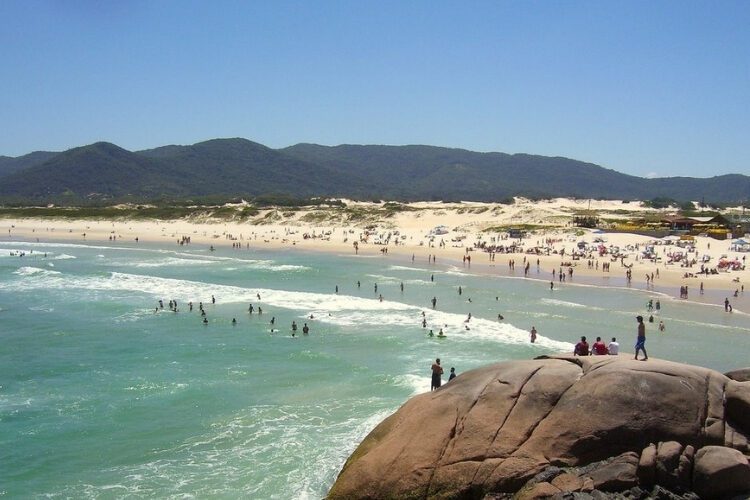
x=42, y=244
x=166, y=262
x=31, y=271
x=29, y=254
x=262, y=264
x=64, y=256
x=563, y=303
x=411, y=269
x=392, y=280
x=190, y=258
x=342, y=310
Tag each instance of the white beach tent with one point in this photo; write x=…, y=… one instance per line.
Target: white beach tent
x=671, y=237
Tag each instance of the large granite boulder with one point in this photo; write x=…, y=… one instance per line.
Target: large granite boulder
x=601, y=423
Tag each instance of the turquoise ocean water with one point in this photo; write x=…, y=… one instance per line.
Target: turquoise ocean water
x=102, y=397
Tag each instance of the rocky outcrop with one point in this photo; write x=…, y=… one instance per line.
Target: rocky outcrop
x=545, y=427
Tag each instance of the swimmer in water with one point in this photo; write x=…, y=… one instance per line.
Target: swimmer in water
x=273, y=320
x=234, y=321
x=205, y=321
x=431, y=334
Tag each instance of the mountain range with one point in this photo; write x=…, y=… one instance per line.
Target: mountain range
x=106, y=173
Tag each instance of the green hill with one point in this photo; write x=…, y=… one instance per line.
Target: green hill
x=8, y=164
x=242, y=167
x=103, y=172
x=428, y=172
x=100, y=170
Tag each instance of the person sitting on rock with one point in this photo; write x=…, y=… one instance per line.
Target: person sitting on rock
x=614, y=347
x=581, y=348
x=598, y=348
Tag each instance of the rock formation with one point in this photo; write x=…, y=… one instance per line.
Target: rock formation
x=552, y=425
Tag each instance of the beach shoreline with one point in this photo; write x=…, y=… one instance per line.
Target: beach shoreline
x=406, y=238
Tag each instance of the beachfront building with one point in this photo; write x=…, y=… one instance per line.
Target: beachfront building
x=715, y=226
x=740, y=223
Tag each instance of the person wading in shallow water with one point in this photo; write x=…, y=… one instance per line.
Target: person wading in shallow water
x=437, y=372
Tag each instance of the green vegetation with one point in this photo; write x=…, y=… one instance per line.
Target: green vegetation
x=316, y=217
x=659, y=202
x=507, y=227
x=135, y=212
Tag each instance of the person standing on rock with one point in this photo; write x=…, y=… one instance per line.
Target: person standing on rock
x=640, y=344
x=437, y=372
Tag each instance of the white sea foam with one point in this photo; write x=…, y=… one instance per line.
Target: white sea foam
x=41, y=309
x=417, y=383
x=169, y=261
x=392, y=280
x=30, y=271
x=64, y=256
x=40, y=244
x=182, y=259
x=29, y=253
x=561, y=303
x=406, y=268
x=343, y=310
x=453, y=270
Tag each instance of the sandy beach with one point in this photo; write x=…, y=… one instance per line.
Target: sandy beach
x=408, y=234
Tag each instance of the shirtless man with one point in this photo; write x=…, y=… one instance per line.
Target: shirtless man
x=437, y=372
x=640, y=344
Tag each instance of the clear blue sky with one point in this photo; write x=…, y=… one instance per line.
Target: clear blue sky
x=643, y=87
